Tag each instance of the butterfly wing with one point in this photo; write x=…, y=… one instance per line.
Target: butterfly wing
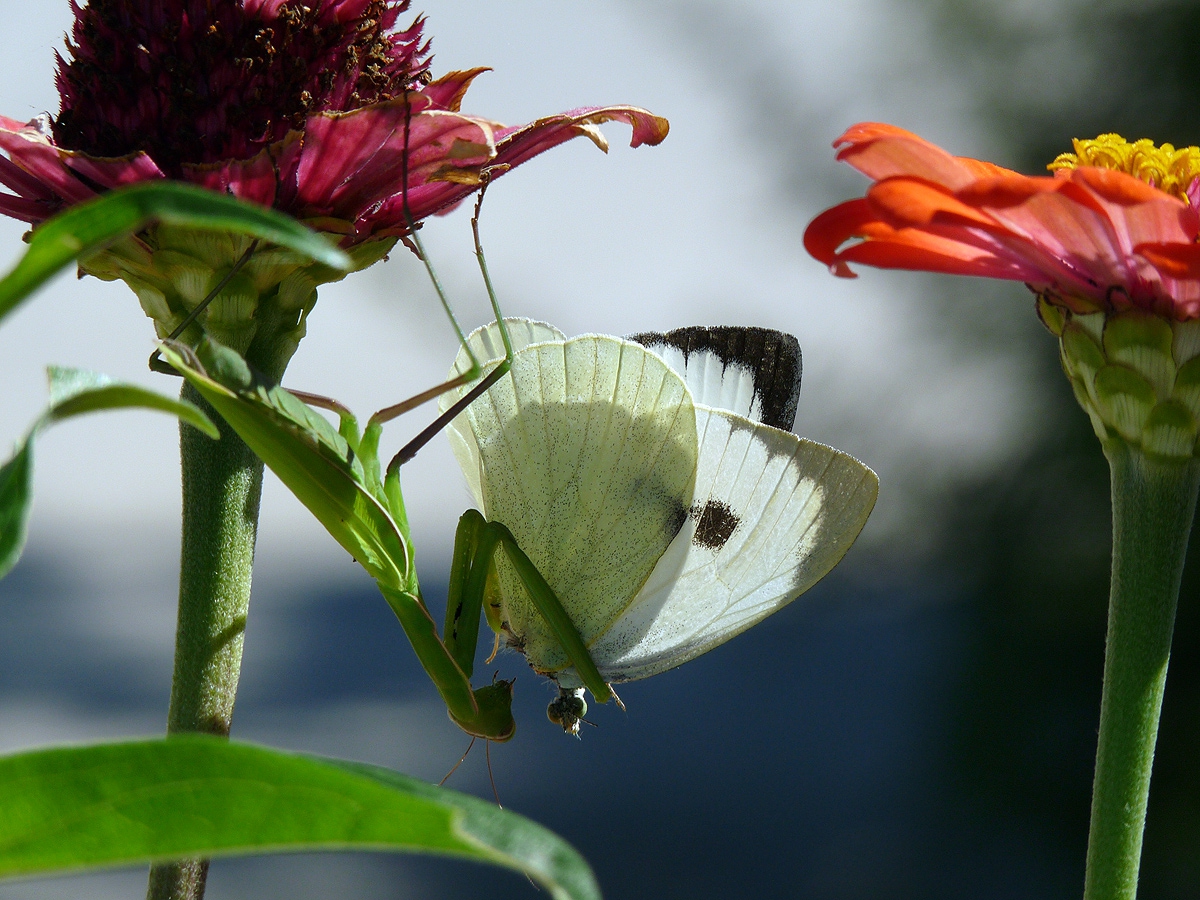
x=754, y=372
x=485, y=342
x=587, y=452
x=773, y=514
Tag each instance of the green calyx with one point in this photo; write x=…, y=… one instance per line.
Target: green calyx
x=172, y=269
x=1136, y=375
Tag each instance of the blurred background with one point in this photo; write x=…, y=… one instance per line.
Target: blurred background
x=922, y=723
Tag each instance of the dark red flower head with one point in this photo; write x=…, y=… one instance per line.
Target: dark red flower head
x=315, y=107
x=322, y=109
x=200, y=81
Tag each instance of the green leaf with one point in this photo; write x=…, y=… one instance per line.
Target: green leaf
x=307, y=454
x=148, y=801
x=88, y=227
x=16, y=486
x=73, y=392
x=77, y=391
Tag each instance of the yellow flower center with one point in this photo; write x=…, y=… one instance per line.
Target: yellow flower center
x=1168, y=169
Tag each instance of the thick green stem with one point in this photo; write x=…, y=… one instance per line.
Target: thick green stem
x=1153, y=502
x=222, y=484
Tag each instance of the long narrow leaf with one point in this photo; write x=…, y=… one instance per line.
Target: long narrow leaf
x=124, y=804
x=16, y=483
x=73, y=392
x=93, y=225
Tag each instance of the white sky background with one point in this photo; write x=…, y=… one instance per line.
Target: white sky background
x=704, y=229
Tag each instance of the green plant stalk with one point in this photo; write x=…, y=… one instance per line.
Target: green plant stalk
x=1153, y=502
x=222, y=485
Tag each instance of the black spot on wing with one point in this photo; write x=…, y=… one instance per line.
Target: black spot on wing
x=772, y=357
x=715, y=524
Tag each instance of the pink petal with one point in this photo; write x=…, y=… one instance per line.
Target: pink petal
x=32, y=151
x=447, y=92
x=253, y=179
x=112, y=173
x=352, y=161
x=514, y=146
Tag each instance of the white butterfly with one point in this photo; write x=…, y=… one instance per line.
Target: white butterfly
x=654, y=485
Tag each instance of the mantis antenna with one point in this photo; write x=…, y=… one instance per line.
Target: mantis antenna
x=409, y=450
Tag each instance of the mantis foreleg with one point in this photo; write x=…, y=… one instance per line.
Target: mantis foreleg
x=475, y=546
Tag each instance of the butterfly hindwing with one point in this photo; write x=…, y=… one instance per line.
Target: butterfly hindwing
x=772, y=515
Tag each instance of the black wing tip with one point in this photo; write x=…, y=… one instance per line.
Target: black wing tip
x=772, y=356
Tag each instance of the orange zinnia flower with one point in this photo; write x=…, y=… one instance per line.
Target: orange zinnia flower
x=1108, y=243
x=1114, y=228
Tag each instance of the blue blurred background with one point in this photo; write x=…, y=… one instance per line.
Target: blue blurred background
x=921, y=724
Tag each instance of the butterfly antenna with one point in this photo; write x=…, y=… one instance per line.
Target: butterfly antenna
x=156, y=363
x=459, y=763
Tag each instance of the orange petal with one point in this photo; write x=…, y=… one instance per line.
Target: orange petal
x=909, y=248
x=1173, y=260
x=832, y=228
x=1120, y=187
x=884, y=151
x=912, y=202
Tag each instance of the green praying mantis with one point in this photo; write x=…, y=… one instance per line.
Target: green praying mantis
x=642, y=500
x=337, y=474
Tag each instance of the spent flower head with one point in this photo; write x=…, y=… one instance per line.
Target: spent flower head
x=323, y=109
x=1108, y=244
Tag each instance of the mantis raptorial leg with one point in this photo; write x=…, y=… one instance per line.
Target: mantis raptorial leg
x=475, y=546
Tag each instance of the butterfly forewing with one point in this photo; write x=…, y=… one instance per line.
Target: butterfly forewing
x=587, y=452
x=754, y=372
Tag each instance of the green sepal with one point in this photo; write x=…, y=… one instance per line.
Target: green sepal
x=1170, y=431
x=1082, y=356
x=1125, y=399
x=87, y=228
x=73, y=392
x=1052, y=316
x=307, y=454
x=1187, y=385
x=1143, y=342
x=76, y=808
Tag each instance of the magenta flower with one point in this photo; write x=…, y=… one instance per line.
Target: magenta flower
x=298, y=107
x=305, y=107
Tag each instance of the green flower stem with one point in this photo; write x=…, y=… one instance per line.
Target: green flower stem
x=222, y=484
x=1153, y=501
